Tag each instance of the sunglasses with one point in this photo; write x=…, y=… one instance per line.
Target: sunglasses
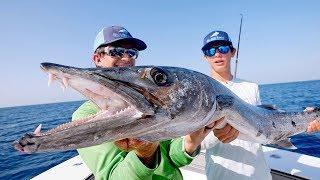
x=120, y=51
x=210, y=52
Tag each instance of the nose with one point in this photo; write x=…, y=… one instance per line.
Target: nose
x=217, y=54
x=126, y=57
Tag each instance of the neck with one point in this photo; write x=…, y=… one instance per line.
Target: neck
x=222, y=76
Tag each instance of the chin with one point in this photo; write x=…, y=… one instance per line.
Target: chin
x=220, y=69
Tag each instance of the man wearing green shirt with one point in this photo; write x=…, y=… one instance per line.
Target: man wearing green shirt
x=131, y=158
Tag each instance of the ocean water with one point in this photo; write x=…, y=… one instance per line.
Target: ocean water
x=15, y=121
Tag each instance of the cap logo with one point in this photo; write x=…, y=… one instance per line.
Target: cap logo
x=122, y=33
x=214, y=34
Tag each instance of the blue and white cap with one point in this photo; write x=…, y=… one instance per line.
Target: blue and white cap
x=114, y=34
x=216, y=37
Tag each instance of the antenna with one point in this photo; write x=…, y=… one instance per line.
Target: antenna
x=237, y=58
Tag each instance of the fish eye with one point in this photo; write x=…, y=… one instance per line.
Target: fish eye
x=159, y=76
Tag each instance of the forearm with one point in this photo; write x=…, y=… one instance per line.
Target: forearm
x=189, y=146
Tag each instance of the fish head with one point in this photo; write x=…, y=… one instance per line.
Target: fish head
x=147, y=102
x=151, y=90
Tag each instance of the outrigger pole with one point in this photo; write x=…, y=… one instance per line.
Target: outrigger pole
x=237, y=58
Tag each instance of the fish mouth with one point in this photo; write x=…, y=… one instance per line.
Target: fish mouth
x=114, y=98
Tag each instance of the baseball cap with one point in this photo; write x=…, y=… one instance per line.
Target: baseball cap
x=113, y=34
x=216, y=37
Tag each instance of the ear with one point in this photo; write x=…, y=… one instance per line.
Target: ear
x=204, y=58
x=96, y=58
x=233, y=52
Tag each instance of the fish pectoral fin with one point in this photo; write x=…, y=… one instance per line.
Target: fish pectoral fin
x=285, y=143
x=224, y=101
x=268, y=106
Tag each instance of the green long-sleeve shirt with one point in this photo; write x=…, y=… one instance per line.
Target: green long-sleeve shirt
x=106, y=161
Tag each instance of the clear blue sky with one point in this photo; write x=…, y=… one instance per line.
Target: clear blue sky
x=280, y=40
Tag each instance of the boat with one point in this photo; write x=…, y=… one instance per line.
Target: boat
x=284, y=165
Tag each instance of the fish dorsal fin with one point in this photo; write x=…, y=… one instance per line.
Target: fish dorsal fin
x=224, y=101
x=268, y=106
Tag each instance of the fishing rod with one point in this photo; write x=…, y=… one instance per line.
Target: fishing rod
x=237, y=58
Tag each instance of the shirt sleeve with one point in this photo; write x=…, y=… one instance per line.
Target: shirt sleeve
x=209, y=141
x=178, y=154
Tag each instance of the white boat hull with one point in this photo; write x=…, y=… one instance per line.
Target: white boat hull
x=284, y=165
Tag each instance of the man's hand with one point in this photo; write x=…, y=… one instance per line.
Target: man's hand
x=144, y=150
x=193, y=140
x=225, y=134
x=314, y=126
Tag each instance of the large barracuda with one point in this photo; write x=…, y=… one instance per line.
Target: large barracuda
x=156, y=103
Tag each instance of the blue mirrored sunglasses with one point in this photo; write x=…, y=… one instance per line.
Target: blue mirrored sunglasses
x=120, y=51
x=212, y=50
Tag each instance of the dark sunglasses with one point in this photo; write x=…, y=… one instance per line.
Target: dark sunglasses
x=120, y=51
x=210, y=52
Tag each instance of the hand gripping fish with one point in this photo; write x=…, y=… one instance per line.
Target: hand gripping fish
x=157, y=103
